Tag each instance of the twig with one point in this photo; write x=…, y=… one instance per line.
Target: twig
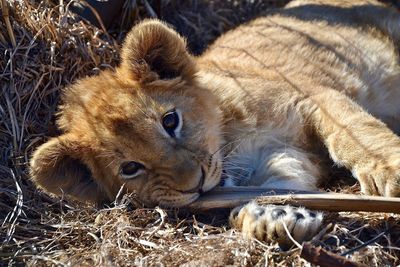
x=2, y=38
x=376, y=238
x=323, y=258
x=321, y=233
x=289, y=235
x=12, y=219
x=235, y=196
x=149, y=9
x=99, y=19
x=163, y=215
x=6, y=16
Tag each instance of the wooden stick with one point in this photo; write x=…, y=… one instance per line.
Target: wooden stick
x=236, y=196
x=323, y=258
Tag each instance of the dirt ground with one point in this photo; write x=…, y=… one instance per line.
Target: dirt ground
x=45, y=47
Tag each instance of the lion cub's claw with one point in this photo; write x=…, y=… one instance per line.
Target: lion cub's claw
x=380, y=179
x=266, y=223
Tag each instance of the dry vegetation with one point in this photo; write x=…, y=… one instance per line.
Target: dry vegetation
x=54, y=47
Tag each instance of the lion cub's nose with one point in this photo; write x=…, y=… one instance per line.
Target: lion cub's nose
x=199, y=186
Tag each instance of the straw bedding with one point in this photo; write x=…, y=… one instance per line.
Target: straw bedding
x=53, y=47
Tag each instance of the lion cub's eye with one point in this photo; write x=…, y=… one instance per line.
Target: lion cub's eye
x=171, y=122
x=131, y=169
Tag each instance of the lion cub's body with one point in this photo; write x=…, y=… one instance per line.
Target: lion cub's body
x=264, y=72
x=265, y=105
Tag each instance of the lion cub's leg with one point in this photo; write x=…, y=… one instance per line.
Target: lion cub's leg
x=267, y=223
x=358, y=141
x=265, y=161
x=283, y=167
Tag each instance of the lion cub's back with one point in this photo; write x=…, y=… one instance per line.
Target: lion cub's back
x=341, y=47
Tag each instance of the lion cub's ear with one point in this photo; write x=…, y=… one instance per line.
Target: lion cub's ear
x=153, y=51
x=58, y=167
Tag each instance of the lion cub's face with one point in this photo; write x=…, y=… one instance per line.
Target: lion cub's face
x=147, y=126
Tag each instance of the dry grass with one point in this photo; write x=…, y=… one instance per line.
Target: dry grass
x=52, y=49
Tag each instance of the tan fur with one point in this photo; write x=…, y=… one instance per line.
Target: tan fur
x=260, y=101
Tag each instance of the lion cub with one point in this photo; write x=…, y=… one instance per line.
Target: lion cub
x=261, y=107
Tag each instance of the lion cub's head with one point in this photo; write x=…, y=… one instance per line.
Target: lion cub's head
x=148, y=126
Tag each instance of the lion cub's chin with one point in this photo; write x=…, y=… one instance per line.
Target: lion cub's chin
x=172, y=198
x=213, y=181
x=177, y=202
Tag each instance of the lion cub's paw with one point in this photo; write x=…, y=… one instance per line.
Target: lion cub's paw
x=266, y=223
x=380, y=179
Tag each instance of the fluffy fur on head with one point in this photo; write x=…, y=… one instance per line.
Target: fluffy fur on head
x=116, y=118
x=154, y=51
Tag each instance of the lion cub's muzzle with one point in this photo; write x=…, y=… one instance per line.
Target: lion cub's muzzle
x=183, y=186
x=199, y=187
